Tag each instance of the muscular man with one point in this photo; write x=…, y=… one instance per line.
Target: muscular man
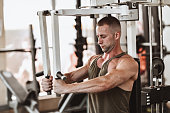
x=111, y=75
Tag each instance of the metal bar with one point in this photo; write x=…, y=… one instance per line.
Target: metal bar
x=146, y=36
x=145, y=2
x=150, y=47
x=66, y=102
x=88, y=12
x=156, y=38
x=44, y=43
x=94, y=35
x=161, y=33
x=152, y=2
x=131, y=38
x=56, y=43
x=150, y=41
x=162, y=106
x=33, y=52
x=97, y=47
x=124, y=13
x=123, y=38
x=161, y=46
x=53, y=4
x=157, y=104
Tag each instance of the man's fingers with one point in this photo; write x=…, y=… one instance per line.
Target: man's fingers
x=47, y=88
x=46, y=83
x=47, y=80
x=51, y=78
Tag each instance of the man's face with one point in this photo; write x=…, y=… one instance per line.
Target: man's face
x=106, y=38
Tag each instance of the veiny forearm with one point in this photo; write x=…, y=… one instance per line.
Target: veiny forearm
x=90, y=86
x=77, y=75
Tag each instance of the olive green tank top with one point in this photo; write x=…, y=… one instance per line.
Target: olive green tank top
x=115, y=100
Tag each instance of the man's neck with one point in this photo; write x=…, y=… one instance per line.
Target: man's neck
x=111, y=54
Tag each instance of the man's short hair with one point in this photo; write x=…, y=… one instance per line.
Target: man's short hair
x=111, y=21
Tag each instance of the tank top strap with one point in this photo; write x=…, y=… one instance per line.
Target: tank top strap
x=95, y=60
x=103, y=71
x=98, y=57
x=117, y=56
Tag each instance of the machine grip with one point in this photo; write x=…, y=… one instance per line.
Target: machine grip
x=59, y=75
x=48, y=92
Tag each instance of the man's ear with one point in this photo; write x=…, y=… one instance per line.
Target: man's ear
x=117, y=35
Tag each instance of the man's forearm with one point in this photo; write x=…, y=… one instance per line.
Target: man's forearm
x=90, y=86
x=77, y=75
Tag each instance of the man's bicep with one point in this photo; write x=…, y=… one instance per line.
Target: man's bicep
x=129, y=68
x=123, y=72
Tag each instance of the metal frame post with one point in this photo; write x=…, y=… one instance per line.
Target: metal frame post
x=55, y=42
x=150, y=41
x=150, y=47
x=161, y=46
x=45, y=48
x=33, y=53
x=131, y=38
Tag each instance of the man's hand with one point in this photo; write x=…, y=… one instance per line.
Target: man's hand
x=60, y=87
x=47, y=84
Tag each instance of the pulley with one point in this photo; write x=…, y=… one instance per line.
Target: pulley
x=157, y=66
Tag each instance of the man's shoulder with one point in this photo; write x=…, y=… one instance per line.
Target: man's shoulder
x=92, y=58
x=128, y=61
x=129, y=64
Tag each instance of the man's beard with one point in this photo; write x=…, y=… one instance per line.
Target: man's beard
x=108, y=49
